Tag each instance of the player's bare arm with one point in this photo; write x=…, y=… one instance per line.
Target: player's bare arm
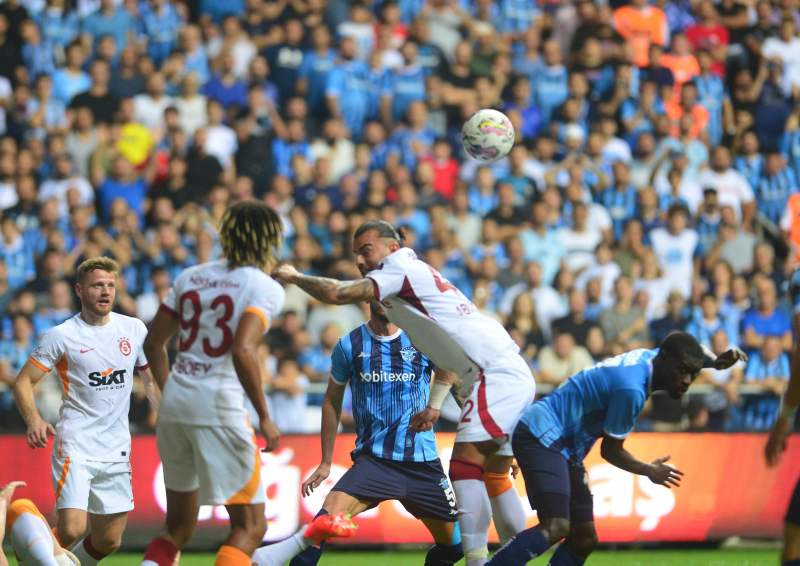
x=245, y=359
x=151, y=389
x=331, y=416
x=442, y=384
x=613, y=452
x=162, y=328
x=782, y=427
x=329, y=291
x=28, y=377
x=725, y=360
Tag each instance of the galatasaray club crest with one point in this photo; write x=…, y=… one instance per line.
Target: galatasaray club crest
x=125, y=347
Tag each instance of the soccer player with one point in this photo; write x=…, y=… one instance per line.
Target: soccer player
x=780, y=431
x=31, y=538
x=206, y=444
x=555, y=434
x=95, y=352
x=452, y=333
x=390, y=381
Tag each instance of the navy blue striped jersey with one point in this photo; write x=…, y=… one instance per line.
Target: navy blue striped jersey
x=390, y=382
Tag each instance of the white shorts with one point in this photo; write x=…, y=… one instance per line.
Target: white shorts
x=496, y=401
x=223, y=462
x=100, y=488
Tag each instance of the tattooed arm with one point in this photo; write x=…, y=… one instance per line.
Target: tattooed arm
x=330, y=291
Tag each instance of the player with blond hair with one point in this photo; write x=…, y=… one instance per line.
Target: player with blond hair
x=208, y=448
x=95, y=353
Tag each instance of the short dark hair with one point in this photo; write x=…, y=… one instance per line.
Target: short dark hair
x=384, y=230
x=682, y=349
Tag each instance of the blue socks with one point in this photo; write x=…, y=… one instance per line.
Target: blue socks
x=446, y=554
x=311, y=555
x=563, y=556
x=525, y=546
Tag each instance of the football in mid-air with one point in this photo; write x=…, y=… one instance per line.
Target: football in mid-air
x=488, y=135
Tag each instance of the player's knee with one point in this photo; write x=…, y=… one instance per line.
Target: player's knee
x=107, y=543
x=583, y=544
x=554, y=530
x=255, y=527
x=69, y=532
x=443, y=555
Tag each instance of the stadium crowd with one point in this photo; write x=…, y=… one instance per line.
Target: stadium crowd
x=653, y=186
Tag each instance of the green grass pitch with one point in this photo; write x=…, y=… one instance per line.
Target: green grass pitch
x=600, y=558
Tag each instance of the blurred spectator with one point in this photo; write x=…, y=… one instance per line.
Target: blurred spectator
x=725, y=383
x=675, y=248
x=575, y=322
x=708, y=322
x=97, y=97
x=733, y=245
x=766, y=320
x=109, y=20
x=288, y=396
x=623, y=323
x=562, y=360
x=641, y=25
x=675, y=320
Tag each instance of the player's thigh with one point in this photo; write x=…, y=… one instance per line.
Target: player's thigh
x=228, y=464
x=338, y=501
x=581, y=504
x=547, y=476
x=108, y=527
x=369, y=481
x=72, y=481
x=496, y=402
x=501, y=462
x=177, y=453
x=111, y=491
x=429, y=493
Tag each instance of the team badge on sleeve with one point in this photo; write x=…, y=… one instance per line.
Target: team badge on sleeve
x=408, y=353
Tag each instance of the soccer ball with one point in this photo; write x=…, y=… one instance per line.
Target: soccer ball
x=488, y=135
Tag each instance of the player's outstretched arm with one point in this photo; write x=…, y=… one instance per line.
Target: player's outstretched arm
x=613, y=452
x=782, y=427
x=427, y=417
x=29, y=376
x=329, y=291
x=331, y=416
x=245, y=360
x=162, y=328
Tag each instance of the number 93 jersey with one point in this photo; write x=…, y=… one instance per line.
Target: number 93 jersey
x=440, y=321
x=209, y=301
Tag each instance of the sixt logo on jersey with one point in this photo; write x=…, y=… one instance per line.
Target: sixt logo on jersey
x=106, y=379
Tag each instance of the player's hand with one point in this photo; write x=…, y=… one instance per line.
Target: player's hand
x=315, y=480
x=7, y=491
x=37, y=433
x=776, y=442
x=270, y=431
x=285, y=272
x=514, y=468
x=729, y=358
x=663, y=474
x=424, y=420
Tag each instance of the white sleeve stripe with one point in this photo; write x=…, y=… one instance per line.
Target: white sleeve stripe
x=617, y=436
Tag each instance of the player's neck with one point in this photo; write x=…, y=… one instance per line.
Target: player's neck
x=94, y=320
x=380, y=328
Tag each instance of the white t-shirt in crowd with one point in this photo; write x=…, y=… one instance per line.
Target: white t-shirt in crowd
x=732, y=188
x=676, y=257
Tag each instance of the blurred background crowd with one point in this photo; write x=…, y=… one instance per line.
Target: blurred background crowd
x=653, y=186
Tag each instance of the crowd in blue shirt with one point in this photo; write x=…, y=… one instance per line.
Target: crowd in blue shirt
x=632, y=205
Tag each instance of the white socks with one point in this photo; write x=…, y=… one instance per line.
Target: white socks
x=509, y=515
x=282, y=552
x=474, y=518
x=33, y=541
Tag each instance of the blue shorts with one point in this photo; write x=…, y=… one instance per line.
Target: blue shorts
x=421, y=487
x=557, y=488
x=793, y=513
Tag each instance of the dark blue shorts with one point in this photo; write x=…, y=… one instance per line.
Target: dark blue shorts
x=421, y=487
x=557, y=488
x=793, y=513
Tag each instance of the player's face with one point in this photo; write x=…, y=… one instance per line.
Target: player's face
x=377, y=311
x=98, y=292
x=370, y=250
x=680, y=378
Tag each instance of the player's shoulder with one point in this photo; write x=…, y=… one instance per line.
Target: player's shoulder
x=129, y=323
x=195, y=271
x=65, y=331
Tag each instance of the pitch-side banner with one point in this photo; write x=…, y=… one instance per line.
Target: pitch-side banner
x=727, y=489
